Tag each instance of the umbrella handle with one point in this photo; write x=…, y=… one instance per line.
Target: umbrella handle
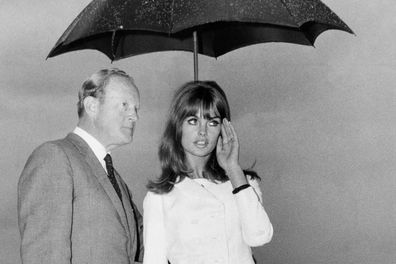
x=195, y=55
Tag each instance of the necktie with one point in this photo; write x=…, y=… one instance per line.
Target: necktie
x=110, y=174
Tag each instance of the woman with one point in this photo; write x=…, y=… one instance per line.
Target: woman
x=203, y=208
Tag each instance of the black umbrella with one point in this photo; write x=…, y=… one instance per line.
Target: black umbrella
x=123, y=28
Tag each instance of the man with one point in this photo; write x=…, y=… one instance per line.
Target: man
x=73, y=207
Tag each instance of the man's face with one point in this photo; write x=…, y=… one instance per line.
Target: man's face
x=117, y=113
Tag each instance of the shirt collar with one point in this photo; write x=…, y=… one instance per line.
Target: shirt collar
x=98, y=149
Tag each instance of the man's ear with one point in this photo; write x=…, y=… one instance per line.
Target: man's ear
x=91, y=105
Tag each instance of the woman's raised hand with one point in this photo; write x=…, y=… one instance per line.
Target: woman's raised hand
x=227, y=153
x=227, y=150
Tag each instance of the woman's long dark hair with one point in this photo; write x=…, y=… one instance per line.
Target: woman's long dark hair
x=188, y=100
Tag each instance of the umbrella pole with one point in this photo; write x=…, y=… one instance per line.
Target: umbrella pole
x=195, y=56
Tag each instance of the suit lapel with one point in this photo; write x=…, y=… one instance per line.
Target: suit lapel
x=128, y=209
x=100, y=174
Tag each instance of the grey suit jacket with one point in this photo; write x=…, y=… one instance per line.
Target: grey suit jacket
x=69, y=212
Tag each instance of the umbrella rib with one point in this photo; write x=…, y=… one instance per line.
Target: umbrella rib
x=291, y=15
x=113, y=49
x=298, y=26
x=171, y=18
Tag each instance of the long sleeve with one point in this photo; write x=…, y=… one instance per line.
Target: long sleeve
x=45, y=194
x=154, y=230
x=257, y=229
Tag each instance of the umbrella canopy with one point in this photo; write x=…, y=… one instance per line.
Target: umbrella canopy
x=123, y=28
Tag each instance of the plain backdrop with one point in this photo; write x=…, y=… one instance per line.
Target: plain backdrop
x=319, y=123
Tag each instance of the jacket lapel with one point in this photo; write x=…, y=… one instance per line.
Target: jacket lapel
x=129, y=214
x=100, y=174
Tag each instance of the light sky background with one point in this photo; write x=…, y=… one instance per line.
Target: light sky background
x=319, y=122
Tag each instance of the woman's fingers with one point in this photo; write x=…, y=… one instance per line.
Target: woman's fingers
x=227, y=146
x=219, y=144
x=233, y=132
x=226, y=131
x=224, y=134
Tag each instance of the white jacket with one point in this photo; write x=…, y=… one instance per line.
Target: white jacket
x=201, y=222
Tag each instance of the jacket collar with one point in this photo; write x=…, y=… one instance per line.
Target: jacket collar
x=193, y=188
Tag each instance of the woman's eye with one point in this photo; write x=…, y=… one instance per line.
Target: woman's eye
x=192, y=121
x=214, y=122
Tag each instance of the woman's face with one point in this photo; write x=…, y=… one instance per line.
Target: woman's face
x=200, y=134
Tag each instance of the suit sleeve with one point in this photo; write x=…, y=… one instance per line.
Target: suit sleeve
x=154, y=230
x=45, y=194
x=256, y=226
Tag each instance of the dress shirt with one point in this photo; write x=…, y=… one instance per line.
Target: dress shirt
x=98, y=149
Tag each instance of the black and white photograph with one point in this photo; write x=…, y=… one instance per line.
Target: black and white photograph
x=198, y=132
